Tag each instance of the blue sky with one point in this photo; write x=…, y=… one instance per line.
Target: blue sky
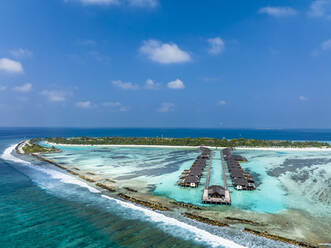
x=157, y=63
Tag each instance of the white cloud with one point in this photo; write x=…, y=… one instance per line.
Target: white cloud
x=151, y=85
x=216, y=45
x=22, y=98
x=21, y=53
x=143, y=3
x=84, y=104
x=176, y=84
x=125, y=85
x=222, y=102
x=326, y=45
x=303, y=98
x=164, y=53
x=211, y=79
x=100, y=57
x=100, y=2
x=116, y=106
x=87, y=42
x=23, y=88
x=320, y=8
x=54, y=95
x=132, y=3
x=166, y=107
x=10, y=66
x=3, y=88
x=278, y=11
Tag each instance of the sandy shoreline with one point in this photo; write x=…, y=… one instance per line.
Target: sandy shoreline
x=19, y=147
x=195, y=147
x=154, y=202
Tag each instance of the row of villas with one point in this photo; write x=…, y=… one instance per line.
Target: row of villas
x=241, y=180
x=191, y=177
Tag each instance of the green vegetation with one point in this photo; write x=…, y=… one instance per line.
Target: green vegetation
x=185, y=142
x=35, y=148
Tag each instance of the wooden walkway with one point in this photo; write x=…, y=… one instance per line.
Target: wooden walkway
x=205, y=190
x=227, y=192
x=205, y=198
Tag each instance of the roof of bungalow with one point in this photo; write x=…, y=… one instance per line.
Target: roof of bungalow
x=191, y=179
x=216, y=189
x=234, y=167
x=196, y=172
x=240, y=181
x=237, y=174
x=198, y=166
x=199, y=162
x=232, y=161
x=238, y=157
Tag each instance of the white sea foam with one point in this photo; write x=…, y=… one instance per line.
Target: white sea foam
x=7, y=155
x=201, y=235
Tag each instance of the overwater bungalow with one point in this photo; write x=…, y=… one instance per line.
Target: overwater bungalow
x=240, y=183
x=191, y=181
x=239, y=158
x=216, y=195
x=241, y=180
x=216, y=191
x=192, y=176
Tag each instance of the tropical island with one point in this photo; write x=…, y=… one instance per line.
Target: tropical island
x=31, y=146
x=211, y=142
x=117, y=185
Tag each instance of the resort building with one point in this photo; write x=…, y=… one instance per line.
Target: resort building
x=191, y=177
x=216, y=192
x=241, y=180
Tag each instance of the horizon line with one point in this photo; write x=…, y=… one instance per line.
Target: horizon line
x=219, y=128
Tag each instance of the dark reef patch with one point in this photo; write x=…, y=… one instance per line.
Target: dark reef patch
x=102, y=150
x=166, y=169
x=119, y=157
x=256, y=176
x=291, y=165
x=63, y=157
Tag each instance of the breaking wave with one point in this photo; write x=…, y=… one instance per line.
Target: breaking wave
x=200, y=235
x=178, y=228
x=62, y=177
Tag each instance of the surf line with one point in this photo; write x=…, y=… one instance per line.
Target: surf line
x=202, y=235
x=64, y=178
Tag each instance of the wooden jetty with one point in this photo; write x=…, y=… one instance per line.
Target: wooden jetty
x=216, y=194
x=227, y=192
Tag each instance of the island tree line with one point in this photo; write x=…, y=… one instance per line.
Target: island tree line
x=213, y=142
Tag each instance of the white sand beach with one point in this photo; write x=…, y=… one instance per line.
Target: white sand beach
x=211, y=147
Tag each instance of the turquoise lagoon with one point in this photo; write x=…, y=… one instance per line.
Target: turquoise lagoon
x=293, y=197
x=291, y=179
x=43, y=206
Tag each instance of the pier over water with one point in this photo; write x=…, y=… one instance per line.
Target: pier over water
x=216, y=194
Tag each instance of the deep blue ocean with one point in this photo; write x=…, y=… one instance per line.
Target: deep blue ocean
x=269, y=134
x=37, y=210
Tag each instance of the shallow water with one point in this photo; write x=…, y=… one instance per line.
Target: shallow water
x=287, y=181
x=44, y=207
x=163, y=166
x=113, y=222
